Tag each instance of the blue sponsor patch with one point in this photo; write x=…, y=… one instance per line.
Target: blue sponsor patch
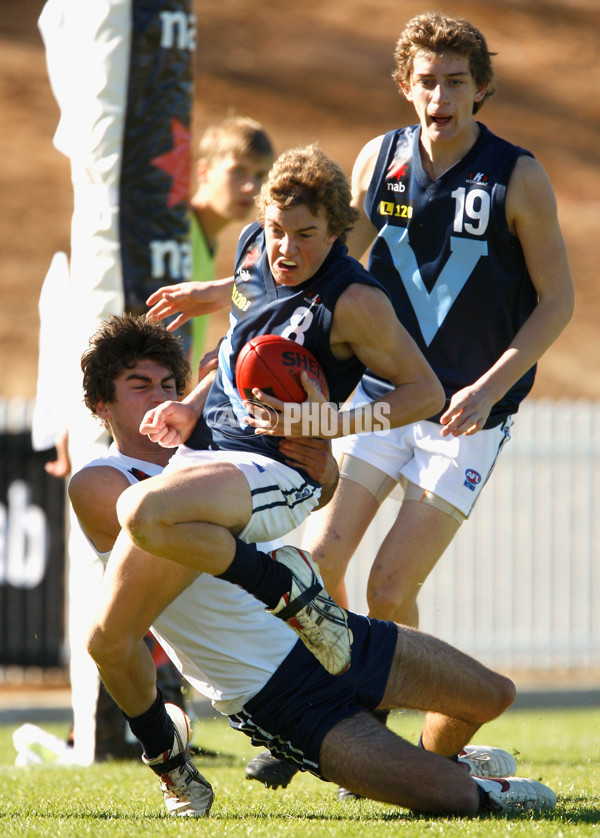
x=472, y=479
x=301, y=494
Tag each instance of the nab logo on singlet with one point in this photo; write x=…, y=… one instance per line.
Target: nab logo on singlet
x=396, y=171
x=250, y=259
x=472, y=479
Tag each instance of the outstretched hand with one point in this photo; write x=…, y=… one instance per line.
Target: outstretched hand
x=209, y=361
x=184, y=301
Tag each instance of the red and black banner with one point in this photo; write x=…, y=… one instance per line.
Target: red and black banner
x=155, y=167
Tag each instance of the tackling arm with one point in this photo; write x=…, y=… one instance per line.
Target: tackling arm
x=93, y=493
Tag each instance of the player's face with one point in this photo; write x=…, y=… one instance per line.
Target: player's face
x=136, y=391
x=231, y=183
x=443, y=91
x=298, y=243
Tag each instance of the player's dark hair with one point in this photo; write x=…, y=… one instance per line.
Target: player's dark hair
x=307, y=176
x=119, y=344
x=433, y=33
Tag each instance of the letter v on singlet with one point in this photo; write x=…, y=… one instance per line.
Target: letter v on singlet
x=431, y=308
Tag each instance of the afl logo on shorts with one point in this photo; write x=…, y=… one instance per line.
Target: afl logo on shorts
x=472, y=479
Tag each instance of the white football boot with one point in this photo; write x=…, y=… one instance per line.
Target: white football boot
x=309, y=610
x=484, y=761
x=515, y=795
x=187, y=793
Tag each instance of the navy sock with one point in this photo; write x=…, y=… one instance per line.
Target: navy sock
x=258, y=573
x=154, y=728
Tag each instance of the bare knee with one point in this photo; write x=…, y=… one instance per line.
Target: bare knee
x=506, y=692
x=386, y=603
x=137, y=515
x=107, y=649
x=496, y=695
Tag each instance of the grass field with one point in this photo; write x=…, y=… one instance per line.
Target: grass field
x=559, y=747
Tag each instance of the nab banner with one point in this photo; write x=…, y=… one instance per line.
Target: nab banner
x=155, y=167
x=32, y=568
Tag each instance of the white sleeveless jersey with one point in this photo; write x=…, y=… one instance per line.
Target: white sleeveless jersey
x=221, y=638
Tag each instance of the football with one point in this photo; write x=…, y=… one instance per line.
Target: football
x=273, y=364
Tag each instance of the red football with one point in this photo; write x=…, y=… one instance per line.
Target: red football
x=273, y=364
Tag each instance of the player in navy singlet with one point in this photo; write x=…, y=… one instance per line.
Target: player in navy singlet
x=302, y=313
x=211, y=506
x=463, y=234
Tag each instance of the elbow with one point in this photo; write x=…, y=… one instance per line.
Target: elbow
x=434, y=397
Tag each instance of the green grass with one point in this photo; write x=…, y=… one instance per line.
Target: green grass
x=559, y=747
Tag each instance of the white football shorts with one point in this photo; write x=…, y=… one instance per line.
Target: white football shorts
x=453, y=468
x=281, y=497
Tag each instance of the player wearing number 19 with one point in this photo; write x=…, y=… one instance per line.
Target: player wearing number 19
x=463, y=234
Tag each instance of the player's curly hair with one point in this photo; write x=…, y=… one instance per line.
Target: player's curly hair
x=434, y=33
x=120, y=343
x=307, y=176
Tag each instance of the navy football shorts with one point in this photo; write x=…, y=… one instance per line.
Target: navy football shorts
x=301, y=702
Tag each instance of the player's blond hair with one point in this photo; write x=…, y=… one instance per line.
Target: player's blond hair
x=307, y=176
x=239, y=136
x=434, y=34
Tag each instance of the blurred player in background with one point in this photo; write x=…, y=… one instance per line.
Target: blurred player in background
x=234, y=156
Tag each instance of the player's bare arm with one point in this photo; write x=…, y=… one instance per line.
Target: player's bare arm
x=390, y=352
x=93, y=493
x=189, y=299
x=361, y=236
x=532, y=217
x=387, y=350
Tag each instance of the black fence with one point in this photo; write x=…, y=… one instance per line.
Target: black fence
x=32, y=550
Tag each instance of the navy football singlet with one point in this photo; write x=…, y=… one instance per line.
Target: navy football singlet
x=303, y=313
x=456, y=275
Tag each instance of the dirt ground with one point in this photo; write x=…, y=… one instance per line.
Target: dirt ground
x=320, y=71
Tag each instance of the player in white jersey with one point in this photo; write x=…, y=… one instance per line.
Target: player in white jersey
x=130, y=367
x=215, y=633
